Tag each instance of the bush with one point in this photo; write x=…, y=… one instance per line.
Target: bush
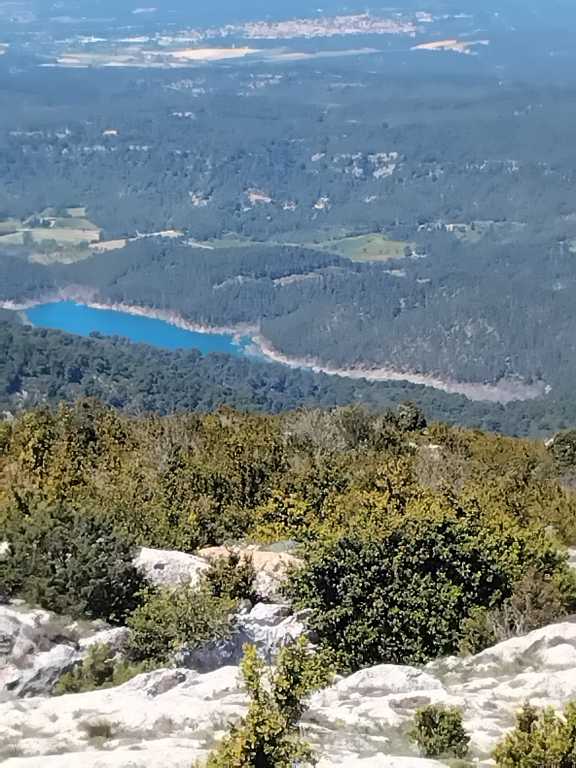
x=232, y=576
x=171, y=618
x=563, y=449
x=439, y=732
x=541, y=738
x=268, y=736
x=72, y=563
x=100, y=669
x=404, y=597
x=536, y=601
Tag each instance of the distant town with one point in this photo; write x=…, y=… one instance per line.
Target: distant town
x=326, y=26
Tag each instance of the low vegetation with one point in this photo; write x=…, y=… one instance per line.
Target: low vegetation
x=269, y=736
x=542, y=738
x=438, y=731
x=417, y=540
x=232, y=576
x=172, y=618
x=100, y=669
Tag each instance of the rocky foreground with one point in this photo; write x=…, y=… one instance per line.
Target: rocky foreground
x=171, y=717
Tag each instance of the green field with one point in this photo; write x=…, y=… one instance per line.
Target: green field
x=51, y=235
x=227, y=241
x=373, y=247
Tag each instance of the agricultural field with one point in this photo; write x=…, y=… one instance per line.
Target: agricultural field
x=374, y=247
x=52, y=235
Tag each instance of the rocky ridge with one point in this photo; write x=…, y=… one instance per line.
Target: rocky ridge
x=170, y=718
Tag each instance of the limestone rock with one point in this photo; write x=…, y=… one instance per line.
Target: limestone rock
x=172, y=713
x=269, y=627
x=166, y=568
x=37, y=648
x=172, y=717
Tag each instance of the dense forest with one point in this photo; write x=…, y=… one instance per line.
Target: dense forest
x=40, y=366
x=483, y=292
x=401, y=209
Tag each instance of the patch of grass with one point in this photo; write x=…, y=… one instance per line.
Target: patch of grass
x=374, y=247
x=67, y=236
x=54, y=236
x=315, y=236
x=64, y=235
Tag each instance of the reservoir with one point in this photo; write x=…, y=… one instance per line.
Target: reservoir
x=82, y=320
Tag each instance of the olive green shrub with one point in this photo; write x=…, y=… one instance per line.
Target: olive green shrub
x=438, y=732
x=100, y=669
x=268, y=736
x=169, y=619
x=541, y=739
x=232, y=576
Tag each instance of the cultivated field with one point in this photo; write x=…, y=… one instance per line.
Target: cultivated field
x=52, y=236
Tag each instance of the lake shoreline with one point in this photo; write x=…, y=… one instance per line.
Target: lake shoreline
x=503, y=392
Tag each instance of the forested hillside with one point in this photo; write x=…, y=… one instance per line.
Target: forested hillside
x=39, y=366
x=460, y=185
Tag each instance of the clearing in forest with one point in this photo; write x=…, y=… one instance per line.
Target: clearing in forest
x=373, y=247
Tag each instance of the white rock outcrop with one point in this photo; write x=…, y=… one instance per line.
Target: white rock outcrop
x=271, y=566
x=268, y=626
x=167, y=568
x=37, y=647
x=170, y=718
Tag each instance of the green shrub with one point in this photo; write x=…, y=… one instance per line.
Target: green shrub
x=100, y=669
x=232, y=576
x=72, y=563
x=563, y=449
x=268, y=735
x=537, y=600
x=438, y=732
x=541, y=739
x=404, y=597
x=171, y=618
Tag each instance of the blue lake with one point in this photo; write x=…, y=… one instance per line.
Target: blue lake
x=82, y=320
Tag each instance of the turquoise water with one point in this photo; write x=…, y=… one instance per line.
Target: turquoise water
x=82, y=320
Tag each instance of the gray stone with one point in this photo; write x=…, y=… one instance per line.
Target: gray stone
x=37, y=648
x=166, y=568
x=171, y=717
x=269, y=627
